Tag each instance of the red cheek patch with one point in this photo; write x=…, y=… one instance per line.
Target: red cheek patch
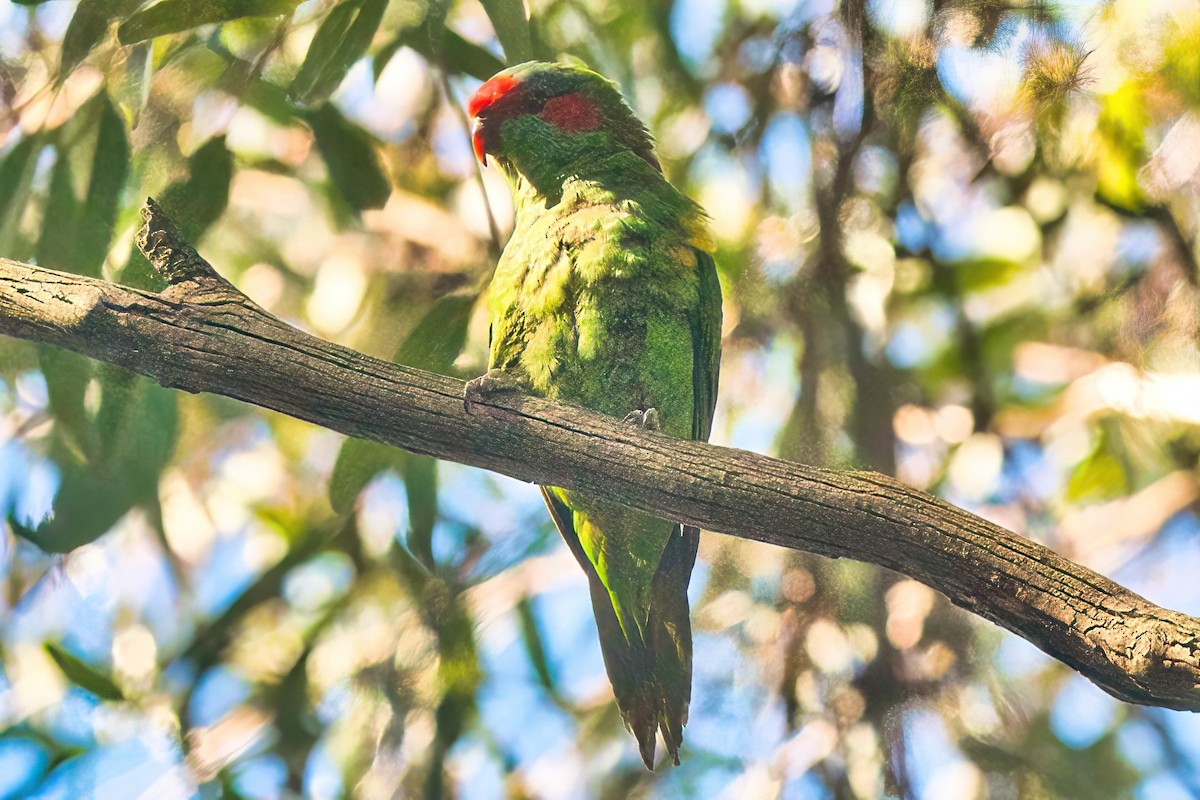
x=572, y=113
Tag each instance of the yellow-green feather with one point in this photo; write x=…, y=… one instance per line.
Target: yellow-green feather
x=606, y=297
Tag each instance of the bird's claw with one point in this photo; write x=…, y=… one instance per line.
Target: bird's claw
x=646, y=420
x=491, y=382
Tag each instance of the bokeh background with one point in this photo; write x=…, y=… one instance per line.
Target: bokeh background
x=958, y=245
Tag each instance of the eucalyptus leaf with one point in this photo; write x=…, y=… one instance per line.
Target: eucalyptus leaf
x=82, y=674
x=350, y=154
x=132, y=91
x=134, y=436
x=174, y=16
x=358, y=462
x=198, y=202
x=342, y=39
x=88, y=26
x=67, y=376
x=453, y=53
x=85, y=204
x=421, y=490
x=16, y=178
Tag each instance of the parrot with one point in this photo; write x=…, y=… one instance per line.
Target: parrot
x=606, y=296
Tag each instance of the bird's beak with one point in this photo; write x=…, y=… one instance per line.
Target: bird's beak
x=479, y=141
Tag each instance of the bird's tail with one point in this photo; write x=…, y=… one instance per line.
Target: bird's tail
x=652, y=678
x=651, y=674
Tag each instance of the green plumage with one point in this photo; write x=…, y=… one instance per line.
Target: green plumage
x=606, y=297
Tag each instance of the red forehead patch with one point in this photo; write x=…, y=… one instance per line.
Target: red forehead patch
x=490, y=93
x=572, y=113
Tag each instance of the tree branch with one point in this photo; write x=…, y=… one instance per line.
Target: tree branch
x=202, y=335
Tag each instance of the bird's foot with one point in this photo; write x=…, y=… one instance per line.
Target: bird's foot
x=490, y=383
x=647, y=419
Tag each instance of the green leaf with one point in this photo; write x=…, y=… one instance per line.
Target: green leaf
x=358, y=462
x=535, y=647
x=420, y=488
x=349, y=152
x=16, y=177
x=67, y=377
x=54, y=249
x=134, y=435
x=468, y=58
x=88, y=26
x=96, y=139
x=1098, y=477
x=89, y=502
x=110, y=167
x=437, y=339
x=342, y=39
x=174, y=16
x=271, y=101
x=512, y=28
x=985, y=273
x=132, y=91
x=454, y=53
x=198, y=202
x=84, y=675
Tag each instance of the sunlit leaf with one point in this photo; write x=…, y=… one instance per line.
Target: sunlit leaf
x=1098, y=477
x=350, y=155
x=535, y=648
x=133, y=437
x=16, y=176
x=437, y=339
x=88, y=26
x=67, y=377
x=454, y=53
x=1121, y=149
x=980, y=274
x=358, y=462
x=95, y=139
x=342, y=39
x=1181, y=57
x=173, y=16
x=132, y=91
x=198, y=202
x=420, y=475
x=84, y=675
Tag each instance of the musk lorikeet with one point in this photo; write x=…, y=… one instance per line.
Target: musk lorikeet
x=607, y=297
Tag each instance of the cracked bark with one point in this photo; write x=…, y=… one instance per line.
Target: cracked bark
x=202, y=335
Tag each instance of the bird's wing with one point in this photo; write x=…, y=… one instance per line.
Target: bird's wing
x=706, y=346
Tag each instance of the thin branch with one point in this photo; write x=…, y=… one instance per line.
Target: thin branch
x=202, y=335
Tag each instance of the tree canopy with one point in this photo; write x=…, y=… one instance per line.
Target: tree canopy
x=957, y=245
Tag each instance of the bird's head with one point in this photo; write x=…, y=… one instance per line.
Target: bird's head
x=540, y=115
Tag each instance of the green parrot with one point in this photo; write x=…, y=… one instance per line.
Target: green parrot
x=606, y=296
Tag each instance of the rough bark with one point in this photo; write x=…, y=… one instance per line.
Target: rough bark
x=202, y=335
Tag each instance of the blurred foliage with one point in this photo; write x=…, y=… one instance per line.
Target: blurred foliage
x=957, y=243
